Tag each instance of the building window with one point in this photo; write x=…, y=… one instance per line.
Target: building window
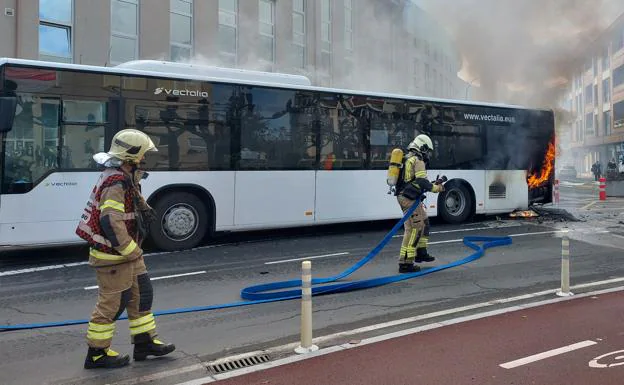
x=606, y=62
x=124, y=45
x=228, y=21
x=618, y=114
x=606, y=121
x=618, y=76
x=181, y=29
x=618, y=42
x=588, y=95
x=267, y=30
x=589, y=123
x=606, y=91
x=299, y=33
x=348, y=25
x=326, y=37
x=55, y=30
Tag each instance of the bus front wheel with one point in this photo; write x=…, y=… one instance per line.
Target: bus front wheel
x=181, y=222
x=455, y=203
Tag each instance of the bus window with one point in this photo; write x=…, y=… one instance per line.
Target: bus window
x=391, y=128
x=190, y=135
x=458, y=144
x=276, y=130
x=31, y=146
x=181, y=131
x=343, y=133
x=83, y=132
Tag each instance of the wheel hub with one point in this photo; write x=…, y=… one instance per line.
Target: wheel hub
x=455, y=202
x=180, y=222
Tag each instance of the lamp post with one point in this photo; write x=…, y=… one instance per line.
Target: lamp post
x=468, y=87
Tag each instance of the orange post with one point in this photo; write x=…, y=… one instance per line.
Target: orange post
x=602, y=192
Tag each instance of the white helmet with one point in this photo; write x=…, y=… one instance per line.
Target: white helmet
x=128, y=145
x=421, y=144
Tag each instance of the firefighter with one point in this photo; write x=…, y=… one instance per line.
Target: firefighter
x=414, y=185
x=114, y=223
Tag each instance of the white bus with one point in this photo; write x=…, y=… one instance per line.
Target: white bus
x=241, y=150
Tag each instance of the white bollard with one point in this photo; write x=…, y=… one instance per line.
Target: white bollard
x=306, y=310
x=565, y=267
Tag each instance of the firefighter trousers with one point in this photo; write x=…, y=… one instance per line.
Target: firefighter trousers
x=122, y=287
x=416, y=235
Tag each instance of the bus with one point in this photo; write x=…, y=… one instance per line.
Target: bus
x=246, y=150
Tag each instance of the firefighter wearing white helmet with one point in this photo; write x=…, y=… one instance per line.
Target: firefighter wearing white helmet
x=413, y=185
x=114, y=224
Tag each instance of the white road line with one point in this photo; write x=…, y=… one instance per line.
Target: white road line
x=385, y=337
x=53, y=267
x=306, y=258
x=163, y=277
x=467, y=229
x=547, y=354
x=430, y=243
x=40, y=268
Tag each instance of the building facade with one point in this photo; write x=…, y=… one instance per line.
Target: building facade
x=380, y=45
x=596, y=103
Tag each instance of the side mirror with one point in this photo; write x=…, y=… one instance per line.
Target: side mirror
x=8, y=106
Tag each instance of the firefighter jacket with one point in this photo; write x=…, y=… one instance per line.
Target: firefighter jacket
x=415, y=178
x=109, y=221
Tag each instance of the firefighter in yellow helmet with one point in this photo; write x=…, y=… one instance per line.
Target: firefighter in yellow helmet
x=114, y=223
x=414, y=185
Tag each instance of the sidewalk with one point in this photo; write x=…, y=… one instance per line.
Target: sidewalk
x=574, y=341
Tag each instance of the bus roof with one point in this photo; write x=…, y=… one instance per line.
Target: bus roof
x=161, y=69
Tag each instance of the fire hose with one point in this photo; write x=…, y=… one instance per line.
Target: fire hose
x=266, y=293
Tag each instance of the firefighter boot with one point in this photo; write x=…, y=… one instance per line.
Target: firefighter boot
x=423, y=256
x=105, y=358
x=408, y=268
x=145, y=346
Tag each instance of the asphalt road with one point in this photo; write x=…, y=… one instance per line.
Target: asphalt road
x=217, y=273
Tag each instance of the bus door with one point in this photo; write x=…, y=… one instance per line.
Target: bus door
x=8, y=105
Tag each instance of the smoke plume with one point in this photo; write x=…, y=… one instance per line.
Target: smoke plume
x=526, y=51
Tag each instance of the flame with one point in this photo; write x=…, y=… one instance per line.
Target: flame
x=524, y=214
x=535, y=180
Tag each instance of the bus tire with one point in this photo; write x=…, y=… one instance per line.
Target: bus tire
x=181, y=222
x=455, y=203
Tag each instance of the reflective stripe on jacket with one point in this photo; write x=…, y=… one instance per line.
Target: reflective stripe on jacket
x=108, y=222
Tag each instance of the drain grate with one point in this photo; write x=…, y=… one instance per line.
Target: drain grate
x=239, y=364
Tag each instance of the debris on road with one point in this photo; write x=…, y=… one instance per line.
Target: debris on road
x=554, y=213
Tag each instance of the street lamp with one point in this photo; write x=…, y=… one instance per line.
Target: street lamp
x=468, y=87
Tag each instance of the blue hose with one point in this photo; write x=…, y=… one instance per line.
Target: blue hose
x=256, y=294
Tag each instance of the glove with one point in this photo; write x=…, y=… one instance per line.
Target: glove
x=437, y=188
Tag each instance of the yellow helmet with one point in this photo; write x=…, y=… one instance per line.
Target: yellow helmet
x=130, y=145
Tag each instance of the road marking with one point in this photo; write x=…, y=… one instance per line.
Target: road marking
x=306, y=258
x=53, y=267
x=547, y=354
x=618, y=356
x=163, y=277
x=288, y=348
x=430, y=243
x=468, y=229
x=41, y=268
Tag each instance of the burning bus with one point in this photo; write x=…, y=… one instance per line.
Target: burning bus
x=241, y=150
